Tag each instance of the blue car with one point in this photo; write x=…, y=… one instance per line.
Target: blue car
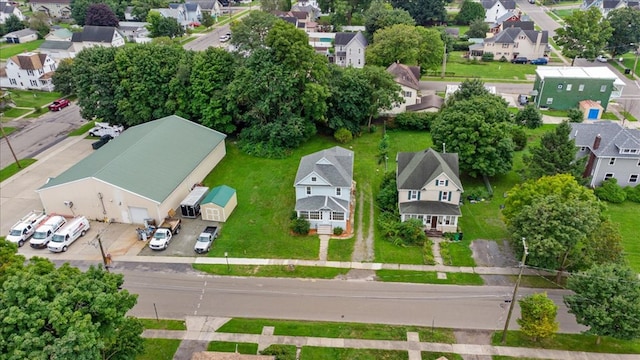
x=540, y=61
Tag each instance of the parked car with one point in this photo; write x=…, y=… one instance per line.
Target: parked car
x=520, y=60
x=100, y=143
x=601, y=58
x=59, y=105
x=206, y=239
x=532, y=1
x=226, y=37
x=523, y=99
x=540, y=61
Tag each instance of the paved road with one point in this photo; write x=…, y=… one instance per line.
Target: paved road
x=207, y=40
x=537, y=14
x=178, y=291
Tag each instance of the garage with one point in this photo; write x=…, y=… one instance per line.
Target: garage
x=219, y=204
x=143, y=173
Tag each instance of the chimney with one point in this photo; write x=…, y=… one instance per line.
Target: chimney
x=596, y=142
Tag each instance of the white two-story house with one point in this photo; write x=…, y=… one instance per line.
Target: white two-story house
x=514, y=42
x=6, y=10
x=429, y=189
x=105, y=36
x=494, y=9
x=349, y=49
x=29, y=71
x=324, y=188
x=408, y=77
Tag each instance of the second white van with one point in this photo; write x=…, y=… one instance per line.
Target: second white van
x=44, y=232
x=69, y=233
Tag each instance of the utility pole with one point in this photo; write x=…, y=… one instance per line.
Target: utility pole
x=9, y=143
x=515, y=290
x=444, y=61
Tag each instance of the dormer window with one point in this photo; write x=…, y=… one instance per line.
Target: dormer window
x=313, y=179
x=442, y=182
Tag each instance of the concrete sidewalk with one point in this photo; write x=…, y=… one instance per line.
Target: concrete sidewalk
x=203, y=329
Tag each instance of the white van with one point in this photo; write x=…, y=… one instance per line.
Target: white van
x=23, y=229
x=101, y=129
x=45, y=232
x=69, y=233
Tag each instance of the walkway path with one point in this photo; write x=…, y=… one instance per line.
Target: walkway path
x=203, y=329
x=363, y=247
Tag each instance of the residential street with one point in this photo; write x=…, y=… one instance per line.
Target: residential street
x=537, y=14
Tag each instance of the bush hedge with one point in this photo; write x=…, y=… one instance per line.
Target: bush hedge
x=610, y=191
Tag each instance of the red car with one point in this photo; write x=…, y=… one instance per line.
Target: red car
x=59, y=104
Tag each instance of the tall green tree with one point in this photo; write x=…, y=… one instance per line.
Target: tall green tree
x=625, y=37
x=13, y=23
x=607, y=300
x=556, y=154
x=431, y=50
x=63, y=77
x=39, y=22
x=380, y=15
x=384, y=92
x=469, y=11
x=141, y=7
x=468, y=89
x=250, y=33
x=478, y=129
x=477, y=29
x=63, y=313
x=538, y=316
x=529, y=117
x=424, y=12
x=584, y=35
x=160, y=26
x=411, y=45
x=349, y=102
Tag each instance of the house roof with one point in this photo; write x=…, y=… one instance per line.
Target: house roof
x=509, y=14
x=207, y=5
x=334, y=165
x=405, y=75
x=317, y=203
x=509, y=36
x=524, y=25
x=429, y=207
x=191, y=7
x=507, y=4
x=62, y=33
x=219, y=195
x=30, y=61
x=610, y=4
x=91, y=33
x=7, y=8
x=344, y=38
x=55, y=45
x=150, y=159
x=64, y=2
x=613, y=135
x=417, y=169
x=427, y=102
x=455, y=32
x=576, y=72
x=21, y=33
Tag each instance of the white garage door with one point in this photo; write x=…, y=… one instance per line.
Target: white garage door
x=212, y=214
x=138, y=214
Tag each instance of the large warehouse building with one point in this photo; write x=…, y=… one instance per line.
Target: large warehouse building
x=143, y=173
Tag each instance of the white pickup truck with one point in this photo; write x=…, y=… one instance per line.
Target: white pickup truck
x=101, y=129
x=22, y=230
x=162, y=237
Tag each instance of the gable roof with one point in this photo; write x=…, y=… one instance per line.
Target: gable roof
x=63, y=2
x=613, y=135
x=427, y=102
x=416, y=169
x=30, y=61
x=610, y=4
x=7, y=8
x=91, y=33
x=507, y=4
x=150, y=159
x=344, y=38
x=55, y=45
x=20, y=33
x=219, y=195
x=524, y=25
x=405, y=75
x=335, y=165
x=508, y=36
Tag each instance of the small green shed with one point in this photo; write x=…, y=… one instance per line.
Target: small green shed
x=219, y=204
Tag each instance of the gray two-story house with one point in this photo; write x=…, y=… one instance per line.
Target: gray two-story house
x=613, y=151
x=349, y=49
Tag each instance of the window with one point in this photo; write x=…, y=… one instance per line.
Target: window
x=581, y=87
x=633, y=178
x=449, y=220
x=407, y=93
x=442, y=182
x=569, y=86
x=583, y=148
x=445, y=196
x=603, y=88
x=308, y=190
x=505, y=46
x=338, y=191
x=612, y=161
x=304, y=215
x=549, y=101
x=337, y=216
x=413, y=195
x=30, y=72
x=13, y=82
x=315, y=215
x=313, y=179
x=34, y=82
x=608, y=176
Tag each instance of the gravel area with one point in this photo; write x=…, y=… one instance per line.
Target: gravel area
x=494, y=253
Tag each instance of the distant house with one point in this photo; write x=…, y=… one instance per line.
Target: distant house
x=31, y=71
x=211, y=7
x=612, y=151
x=178, y=13
x=428, y=103
x=52, y=8
x=562, y=88
x=192, y=11
x=324, y=188
x=300, y=19
x=522, y=24
x=322, y=42
x=310, y=7
x=511, y=15
x=21, y=36
x=494, y=9
x=105, y=36
x=429, y=189
x=59, y=34
x=132, y=30
x=408, y=77
x=57, y=50
x=513, y=42
x=606, y=6
x=7, y=9
x=349, y=49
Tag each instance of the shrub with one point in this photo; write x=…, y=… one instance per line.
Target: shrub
x=387, y=198
x=414, y=121
x=476, y=193
x=503, y=59
x=281, y=352
x=529, y=117
x=575, y=115
x=373, y=129
x=343, y=135
x=487, y=57
x=610, y=191
x=300, y=226
x=633, y=193
x=519, y=137
x=411, y=232
x=338, y=230
x=427, y=252
x=461, y=46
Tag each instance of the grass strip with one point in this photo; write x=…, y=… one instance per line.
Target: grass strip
x=428, y=277
x=7, y=130
x=159, y=349
x=338, y=330
x=13, y=169
x=83, y=129
x=291, y=271
x=163, y=324
x=325, y=353
x=340, y=249
x=570, y=342
x=226, y=346
x=609, y=116
x=628, y=116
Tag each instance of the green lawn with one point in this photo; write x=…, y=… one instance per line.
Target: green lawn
x=556, y=113
x=325, y=353
x=628, y=116
x=572, y=342
x=12, y=169
x=9, y=50
x=340, y=249
x=435, y=356
x=164, y=324
x=159, y=349
x=6, y=130
x=82, y=129
x=457, y=253
x=465, y=68
x=626, y=216
x=563, y=13
x=273, y=271
x=241, y=348
x=13, y=113
x=629, y=59
x=428, y=277
x=32, y=98
x=609, y=116
x=337, y=330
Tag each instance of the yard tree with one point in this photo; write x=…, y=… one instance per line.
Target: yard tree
x=63, y=313
x=529, y=117
x=63, y=77
x=349, y=102
x=469, y=11
x=384, y=92
x=477, y=29
x=626, y=30
x=396, y=43
x=584, y=35
x=10, y=261
x=141, y=70
x=161, y=26
x=250, y=33
x=273, y=5
x=79, y=10
x=141, y=7
x=39, y=22
x=431, y=48
x=13, y=23
x=538, y=316
x=607, y=300
x=602, y=246
x=381, y=15
x=101, y=15
x=424, y=12
x=180, y=97
x=556, y=215
x=478, y=129
x=468, y=89
x=556, y=154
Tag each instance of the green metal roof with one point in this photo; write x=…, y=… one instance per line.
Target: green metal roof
x=150, y=159
x=219, y=195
